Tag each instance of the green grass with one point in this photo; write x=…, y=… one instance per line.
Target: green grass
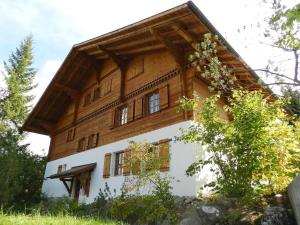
x=20, y=219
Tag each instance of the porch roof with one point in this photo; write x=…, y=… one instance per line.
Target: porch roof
x=74, y=171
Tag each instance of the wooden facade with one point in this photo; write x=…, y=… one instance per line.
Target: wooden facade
x=81, y=107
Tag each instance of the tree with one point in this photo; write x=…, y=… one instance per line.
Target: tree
x=256, y=153
x=19, y=80
x=20, y=170
x=293, y=104
x=283, y=33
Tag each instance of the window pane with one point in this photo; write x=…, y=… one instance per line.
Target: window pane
x=153, y=103
x=123, y=115
x=119, y=163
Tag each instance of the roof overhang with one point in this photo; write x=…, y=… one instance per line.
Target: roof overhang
x=74, y=171
x=179, y=27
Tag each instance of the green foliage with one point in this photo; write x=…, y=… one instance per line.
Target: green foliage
x=14, y=103
x=144, y=158
x=142, y=209
x=294, y=100
x=208, y=64
x=133, y=207
x=285, y=22
x=21, y=172
x=256, y=153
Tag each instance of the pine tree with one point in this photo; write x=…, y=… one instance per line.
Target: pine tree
x=19, y=81
x=21, y=172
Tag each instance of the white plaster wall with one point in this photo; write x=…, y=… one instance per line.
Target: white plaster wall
x=182, y=155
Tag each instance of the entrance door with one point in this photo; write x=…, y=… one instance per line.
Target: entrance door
x=77, y=190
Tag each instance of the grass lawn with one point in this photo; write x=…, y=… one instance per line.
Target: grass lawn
x=20, y=219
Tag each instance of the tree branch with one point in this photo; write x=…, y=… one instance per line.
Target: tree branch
x=275, y=46
x=277, y=74
x=283, y=83
x=296, y=65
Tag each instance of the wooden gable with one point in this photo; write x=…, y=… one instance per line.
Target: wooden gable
x=102, y=60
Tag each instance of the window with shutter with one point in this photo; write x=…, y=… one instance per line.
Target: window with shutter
x=71, y=135
x=164, y=154
x=152, y=103
x=106, y=166
x=122, y=115
x=81, y=145
x=119, y=163
x=90, y=141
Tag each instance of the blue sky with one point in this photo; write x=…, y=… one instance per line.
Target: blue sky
x=58, y=24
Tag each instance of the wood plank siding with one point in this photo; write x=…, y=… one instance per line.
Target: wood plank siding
x=119, y=72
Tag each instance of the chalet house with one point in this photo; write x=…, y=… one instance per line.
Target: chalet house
x=124, y=86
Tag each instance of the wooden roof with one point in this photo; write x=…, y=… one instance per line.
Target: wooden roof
x=178, y=27
x=74, y=171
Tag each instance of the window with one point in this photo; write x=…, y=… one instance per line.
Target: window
x=119, y=163
x=71, y=135
x=81, y=145
x=61, y=168
x=153, y=102
x=96, y=94
x=123, y=115
x=87, y=99
x=90, y=141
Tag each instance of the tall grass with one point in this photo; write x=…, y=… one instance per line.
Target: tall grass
x=38, y=219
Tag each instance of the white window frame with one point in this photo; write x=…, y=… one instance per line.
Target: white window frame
x=153, y=103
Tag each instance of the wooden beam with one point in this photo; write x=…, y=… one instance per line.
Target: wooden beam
x=76, y=101
x=96, y=64
x=122, y=66
x=69, y=189
x=116, y=59
x=72, y=93
x=177, y=53
x=185, y=34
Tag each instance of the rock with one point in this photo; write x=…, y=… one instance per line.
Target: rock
x=209, y=213
x=210, y=210
x=275, y=216
x=191, y=217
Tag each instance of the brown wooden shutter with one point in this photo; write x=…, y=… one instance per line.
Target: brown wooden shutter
x=164, y=97
x=106, y=166
x=164, y=154
x=95, y=140
x=126, y=167
x=130, y=111
x=138, y=113
x=113, y=117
